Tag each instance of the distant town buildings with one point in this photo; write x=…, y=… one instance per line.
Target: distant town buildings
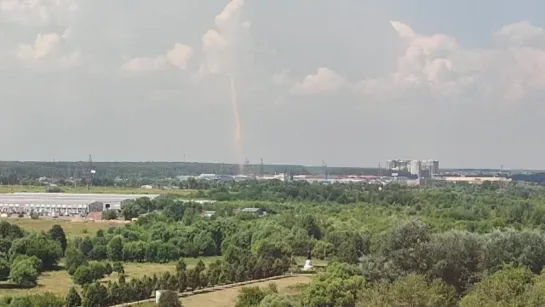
x=420, y=168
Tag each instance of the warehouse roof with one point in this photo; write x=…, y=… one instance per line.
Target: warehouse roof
x=67, y=199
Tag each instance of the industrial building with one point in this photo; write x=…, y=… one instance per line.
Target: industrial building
x=63, y=204
x=420, y=168
x=476, y=180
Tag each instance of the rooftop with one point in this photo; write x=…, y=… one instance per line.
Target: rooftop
x=67, y=199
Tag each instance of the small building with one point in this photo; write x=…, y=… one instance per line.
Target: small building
x=95, y=206
x=255, y=211
x=207, y=214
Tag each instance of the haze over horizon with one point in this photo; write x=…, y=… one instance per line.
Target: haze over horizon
x=357, y=84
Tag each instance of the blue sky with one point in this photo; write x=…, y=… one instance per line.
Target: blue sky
x=352, y=84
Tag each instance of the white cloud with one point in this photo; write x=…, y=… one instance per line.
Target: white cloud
x=214, y=47
x=179, y=56
x=218, y=44
x=520, y=34
x=42, y=47
x=47, y=53
x=144, y=64
x=324, y=81
x=37, y=12
x=437, y=64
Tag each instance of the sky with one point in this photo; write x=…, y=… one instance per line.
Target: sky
x=352, y=85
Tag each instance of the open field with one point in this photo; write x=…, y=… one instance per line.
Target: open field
x=59, y=282
x=96, y=190
x=227, y=297
x=72, y=227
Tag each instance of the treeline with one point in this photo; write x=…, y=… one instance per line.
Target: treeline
x=411, y=266
x=446, y=265
x=134, y=173
x=16, y=172
x=234, y=267
x=24, y=256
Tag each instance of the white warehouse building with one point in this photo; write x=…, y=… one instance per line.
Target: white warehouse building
x=61, y=202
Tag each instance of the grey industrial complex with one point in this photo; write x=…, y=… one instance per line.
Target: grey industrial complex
x=63, y=204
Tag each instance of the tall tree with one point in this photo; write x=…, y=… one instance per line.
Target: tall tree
x=57, y=233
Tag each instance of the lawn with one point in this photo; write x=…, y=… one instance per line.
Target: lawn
x=59, y=282
x=227, y=298
x=95, y=190
x=72, y=227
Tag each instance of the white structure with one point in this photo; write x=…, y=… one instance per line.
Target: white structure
x=308, y=262
x=158, y=295
x=398, y=165
x=416, y=167
x=432, y=166
x=61, y=202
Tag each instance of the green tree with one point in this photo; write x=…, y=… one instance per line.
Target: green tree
x=109, y=215
x=338, y=286
x=115, y=248
x=74, y=259
x=275, y=300
x=174, y=211
x=39, y=245
x=118, y=267
x=57, y=233
x=181, y=266
x=73, y=299
x=95, y=295
x=323, y=250
x=109, y=269
x=250, y=297
x=169, y=299
x=503, y=288
x=84, y=275
x=309, y=223
x=38, y=300
x=24, y=273
x=4, y=269
x=411, y=290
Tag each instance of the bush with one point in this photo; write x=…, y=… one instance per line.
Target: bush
x=98, y=269
x=39, y=245
x=24, y=273
x=118, y=267
x=4, y=269
x=38, y=300
x=53, y=190
x=73, y=299
x=169, y=299
x=84, y=275
x=109, y=215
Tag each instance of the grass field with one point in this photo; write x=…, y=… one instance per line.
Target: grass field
x=72, y=228
x=96, y=190
x=227, y=298
x=59, y=282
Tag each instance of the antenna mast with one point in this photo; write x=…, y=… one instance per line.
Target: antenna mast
x=90, y=172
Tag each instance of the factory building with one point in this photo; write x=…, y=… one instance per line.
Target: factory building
x=425, y=168
x=63, y=204
x=416, y=168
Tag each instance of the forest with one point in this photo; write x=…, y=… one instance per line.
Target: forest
x=393, y=245
x=139, y=173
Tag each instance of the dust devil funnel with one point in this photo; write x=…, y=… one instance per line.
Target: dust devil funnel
x=238, y=126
